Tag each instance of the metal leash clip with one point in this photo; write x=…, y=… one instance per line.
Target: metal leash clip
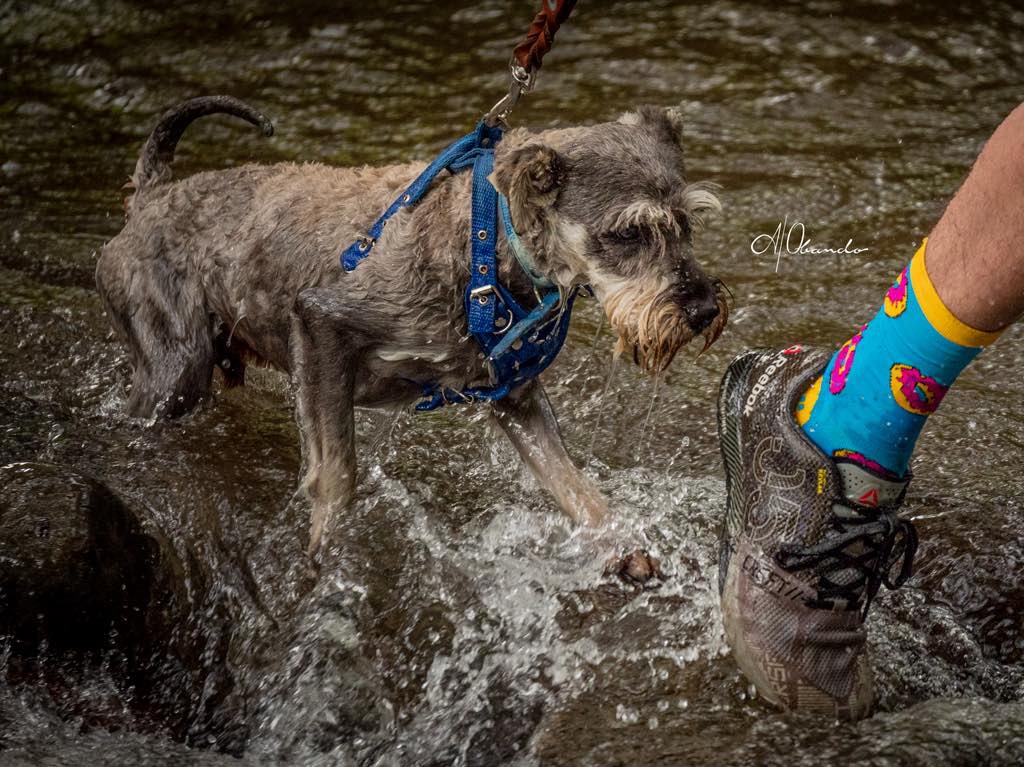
x=521, y=81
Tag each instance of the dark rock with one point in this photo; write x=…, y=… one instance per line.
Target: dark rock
x=90, y=600
x=75, y=566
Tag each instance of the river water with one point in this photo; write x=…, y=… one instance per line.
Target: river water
x=466, y=622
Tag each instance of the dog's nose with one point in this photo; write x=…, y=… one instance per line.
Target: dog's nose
x=701, y=314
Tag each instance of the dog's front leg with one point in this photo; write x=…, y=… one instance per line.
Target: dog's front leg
x=527, y=418
x=324, y=369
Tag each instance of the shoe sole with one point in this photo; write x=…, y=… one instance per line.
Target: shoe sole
x=731, y=399
x=730, y=410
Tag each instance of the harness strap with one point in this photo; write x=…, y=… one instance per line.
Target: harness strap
x=453, y=158
x=518, y=249
x=481, y=296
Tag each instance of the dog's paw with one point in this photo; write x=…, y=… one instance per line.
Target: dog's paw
x=638, y=568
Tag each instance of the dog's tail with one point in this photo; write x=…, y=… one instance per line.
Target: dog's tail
x=154, y=165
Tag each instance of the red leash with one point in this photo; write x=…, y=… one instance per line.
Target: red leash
x=528, y=56
x=529, y=53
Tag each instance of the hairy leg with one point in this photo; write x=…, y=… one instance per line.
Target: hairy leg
x=976, y=252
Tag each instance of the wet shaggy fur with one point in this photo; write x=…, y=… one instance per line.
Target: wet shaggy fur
x=229, y=267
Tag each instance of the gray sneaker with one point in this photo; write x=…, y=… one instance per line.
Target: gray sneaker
x=807, y=541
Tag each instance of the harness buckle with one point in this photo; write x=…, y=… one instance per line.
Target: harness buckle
x=480, y=294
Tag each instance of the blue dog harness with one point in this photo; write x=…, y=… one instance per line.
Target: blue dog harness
x=518, y=344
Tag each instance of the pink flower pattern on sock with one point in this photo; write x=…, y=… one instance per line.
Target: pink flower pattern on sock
x=844, y=362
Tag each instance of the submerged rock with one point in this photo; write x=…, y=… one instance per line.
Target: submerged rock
x=75, y=566
x=93, y=605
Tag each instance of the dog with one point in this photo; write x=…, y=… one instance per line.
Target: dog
x=238, y=266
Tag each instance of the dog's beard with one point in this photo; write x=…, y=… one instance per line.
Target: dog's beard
x=650, y=323
x=713, y=331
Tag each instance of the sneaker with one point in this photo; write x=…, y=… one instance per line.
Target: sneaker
x=807, y=541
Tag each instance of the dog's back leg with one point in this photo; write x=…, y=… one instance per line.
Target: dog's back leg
x=160, y=314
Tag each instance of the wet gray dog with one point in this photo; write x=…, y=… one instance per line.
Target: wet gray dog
x=241, y=265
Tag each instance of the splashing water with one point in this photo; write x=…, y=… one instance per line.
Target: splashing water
x=460, y=619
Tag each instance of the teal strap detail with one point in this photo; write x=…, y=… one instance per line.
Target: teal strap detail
x=518, y=249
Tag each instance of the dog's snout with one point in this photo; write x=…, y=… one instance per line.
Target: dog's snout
x=701, y=314
x=699, y=305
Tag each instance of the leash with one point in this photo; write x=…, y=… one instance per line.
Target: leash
x=518, y=343
x=528, y=56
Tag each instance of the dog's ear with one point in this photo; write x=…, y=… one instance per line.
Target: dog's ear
x=668, y=120
x=531, y=178
x=674, y=120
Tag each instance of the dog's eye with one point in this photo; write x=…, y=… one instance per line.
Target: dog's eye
x=629, y=234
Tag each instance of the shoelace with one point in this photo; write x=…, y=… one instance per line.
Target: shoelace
x=869, y=542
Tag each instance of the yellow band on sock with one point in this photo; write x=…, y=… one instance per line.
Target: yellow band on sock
x=807, y=402
x=936, y=312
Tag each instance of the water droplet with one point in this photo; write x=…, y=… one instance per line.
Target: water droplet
x=626, y=714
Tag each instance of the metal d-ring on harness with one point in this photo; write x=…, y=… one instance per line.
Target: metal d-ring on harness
x=517, y=343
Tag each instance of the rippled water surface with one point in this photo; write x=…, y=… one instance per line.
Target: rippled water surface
x=466, y=622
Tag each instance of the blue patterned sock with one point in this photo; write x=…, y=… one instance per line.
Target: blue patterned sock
x=872, y=400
